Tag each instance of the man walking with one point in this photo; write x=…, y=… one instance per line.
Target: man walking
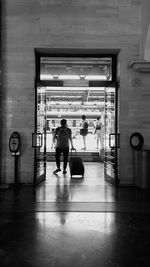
x=62, y=136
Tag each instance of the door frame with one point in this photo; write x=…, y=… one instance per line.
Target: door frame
x=113, y=158
x=37, y=180
x=98, y=53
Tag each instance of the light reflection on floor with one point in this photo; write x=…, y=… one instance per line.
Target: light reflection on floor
x=61, y=188
x=102, y=222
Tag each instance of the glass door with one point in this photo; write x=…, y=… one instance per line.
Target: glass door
x=111, y=140
x=40, y=136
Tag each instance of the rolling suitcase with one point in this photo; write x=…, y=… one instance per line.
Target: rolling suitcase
x=76, y=165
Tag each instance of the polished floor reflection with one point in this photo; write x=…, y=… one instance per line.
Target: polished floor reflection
x=92, y=189
x=90, y=193
x=61, y=188
x=74, y=223
x=74, y=239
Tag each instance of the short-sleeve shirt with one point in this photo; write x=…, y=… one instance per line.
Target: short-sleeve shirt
x=63, y=134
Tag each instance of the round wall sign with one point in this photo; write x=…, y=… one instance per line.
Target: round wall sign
x=136, y=141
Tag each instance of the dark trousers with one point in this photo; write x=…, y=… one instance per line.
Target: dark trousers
x=65, y=156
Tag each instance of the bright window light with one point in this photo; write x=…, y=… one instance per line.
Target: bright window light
x=92, y=77
x=46, y=77
x=69, y=77
x=72, y=77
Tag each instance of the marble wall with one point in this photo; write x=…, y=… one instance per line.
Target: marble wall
x=83, y=24
x=145, y=27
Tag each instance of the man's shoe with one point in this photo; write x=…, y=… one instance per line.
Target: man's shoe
x=64, y=171
x=57, y=170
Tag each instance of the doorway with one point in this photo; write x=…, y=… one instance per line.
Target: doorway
x=68, y=87
x=71, y=103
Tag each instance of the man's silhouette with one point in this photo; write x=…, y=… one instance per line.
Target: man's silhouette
x=62, y=135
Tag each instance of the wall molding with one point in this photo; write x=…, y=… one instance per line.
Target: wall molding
x=140, y=66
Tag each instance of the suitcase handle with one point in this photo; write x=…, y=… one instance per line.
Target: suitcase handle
x=73, y=149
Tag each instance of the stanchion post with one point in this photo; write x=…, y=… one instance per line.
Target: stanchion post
x=16, y=170
x=15, y=149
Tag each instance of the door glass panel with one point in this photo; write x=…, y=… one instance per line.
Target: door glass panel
x=41, y=128
x=71, y=103
x=69, y=68
x=110, y=136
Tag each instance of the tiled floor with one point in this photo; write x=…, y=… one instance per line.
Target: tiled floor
x=52, y=226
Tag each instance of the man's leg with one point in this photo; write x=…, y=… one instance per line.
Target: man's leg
x=65, y=155
x=57, y=157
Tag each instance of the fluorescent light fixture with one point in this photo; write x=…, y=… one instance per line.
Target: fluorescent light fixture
x=69, y=77
x=82, y=77
x=96, y=77
x=72, y=88
x=46, y=77
x=72, y=77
